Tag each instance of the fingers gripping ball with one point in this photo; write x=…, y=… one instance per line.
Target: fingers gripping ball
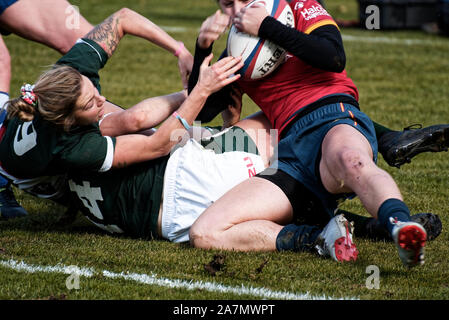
x=261, y=57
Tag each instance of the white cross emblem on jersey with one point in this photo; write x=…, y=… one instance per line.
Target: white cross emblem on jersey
x=89, y=196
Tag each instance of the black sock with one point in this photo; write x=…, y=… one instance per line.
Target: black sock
x=297, y=238
x=393, y=210
x=360, y=222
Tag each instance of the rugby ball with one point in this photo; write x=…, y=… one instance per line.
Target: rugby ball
x=260, y=57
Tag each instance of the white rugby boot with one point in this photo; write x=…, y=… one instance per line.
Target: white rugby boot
x=336, y=240
x=410, y=239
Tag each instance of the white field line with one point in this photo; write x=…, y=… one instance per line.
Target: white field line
x=179, y=29
x=260, y=292
x=348, y=38
x=395, y=41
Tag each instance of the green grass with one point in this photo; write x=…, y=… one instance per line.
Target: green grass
x=399, y=85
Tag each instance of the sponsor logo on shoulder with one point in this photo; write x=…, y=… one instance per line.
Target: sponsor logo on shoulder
x=299, y=5
x=313, y=12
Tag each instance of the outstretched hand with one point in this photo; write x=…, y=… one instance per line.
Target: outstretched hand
x=220, y=74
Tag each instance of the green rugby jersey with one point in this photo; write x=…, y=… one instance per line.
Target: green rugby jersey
x=125, y=200
x=39, y=148
x=128, y=200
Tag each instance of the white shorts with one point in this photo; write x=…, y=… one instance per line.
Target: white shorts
x=194, y=179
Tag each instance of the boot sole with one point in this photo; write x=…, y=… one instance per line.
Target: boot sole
x=413, y=238
x=345, y=249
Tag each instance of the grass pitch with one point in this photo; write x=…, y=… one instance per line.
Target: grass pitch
x=402, y=77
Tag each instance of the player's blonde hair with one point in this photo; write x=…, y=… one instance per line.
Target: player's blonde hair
x=57, y=91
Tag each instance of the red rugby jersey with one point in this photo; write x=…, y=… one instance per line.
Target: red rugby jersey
x=296, y=84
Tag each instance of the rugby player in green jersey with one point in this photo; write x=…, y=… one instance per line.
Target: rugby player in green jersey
x=70, y=91
x=57, y=25
x=53, y=127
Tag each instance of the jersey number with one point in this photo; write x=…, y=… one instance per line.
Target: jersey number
x=25, y=139
x=89, y=197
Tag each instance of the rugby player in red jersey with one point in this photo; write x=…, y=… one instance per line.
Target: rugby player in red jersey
x=327, y=148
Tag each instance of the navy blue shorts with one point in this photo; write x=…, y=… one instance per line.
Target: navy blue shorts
x=299, y=151
x=2, y=110
x=2, y=115
x=4, y=4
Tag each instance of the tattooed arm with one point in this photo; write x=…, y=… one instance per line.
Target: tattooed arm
x=125, y=21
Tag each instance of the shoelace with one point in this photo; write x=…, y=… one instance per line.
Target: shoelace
x=347, y=239
x=414, y=126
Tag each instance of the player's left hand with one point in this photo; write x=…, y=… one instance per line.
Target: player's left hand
x=220, y=74
x=249, y=19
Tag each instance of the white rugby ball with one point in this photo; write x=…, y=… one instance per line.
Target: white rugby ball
x=261, y=57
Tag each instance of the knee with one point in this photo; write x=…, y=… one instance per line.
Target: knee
x=353, y=162
x=201, y=237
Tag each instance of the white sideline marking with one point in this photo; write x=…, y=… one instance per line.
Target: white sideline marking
x=261, y=292
x=177, y=29
x=388, y=40
x=346, y=37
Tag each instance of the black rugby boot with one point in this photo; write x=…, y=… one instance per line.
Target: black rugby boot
x=399, y=147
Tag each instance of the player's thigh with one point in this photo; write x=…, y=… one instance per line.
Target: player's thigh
x=54, y=22
x=253, y=199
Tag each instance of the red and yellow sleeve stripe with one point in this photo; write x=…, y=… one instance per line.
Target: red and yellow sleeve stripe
x=320, y=24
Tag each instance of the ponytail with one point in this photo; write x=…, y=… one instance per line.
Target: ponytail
x=19, y=108
x=54, y=97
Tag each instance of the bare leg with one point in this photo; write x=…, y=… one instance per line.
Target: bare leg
x=259, y=129
x=248, y=217
x=5, y=67
x=347, y=165
x=50, y=22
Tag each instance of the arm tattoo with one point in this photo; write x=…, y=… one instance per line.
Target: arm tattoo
x=106, y=34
